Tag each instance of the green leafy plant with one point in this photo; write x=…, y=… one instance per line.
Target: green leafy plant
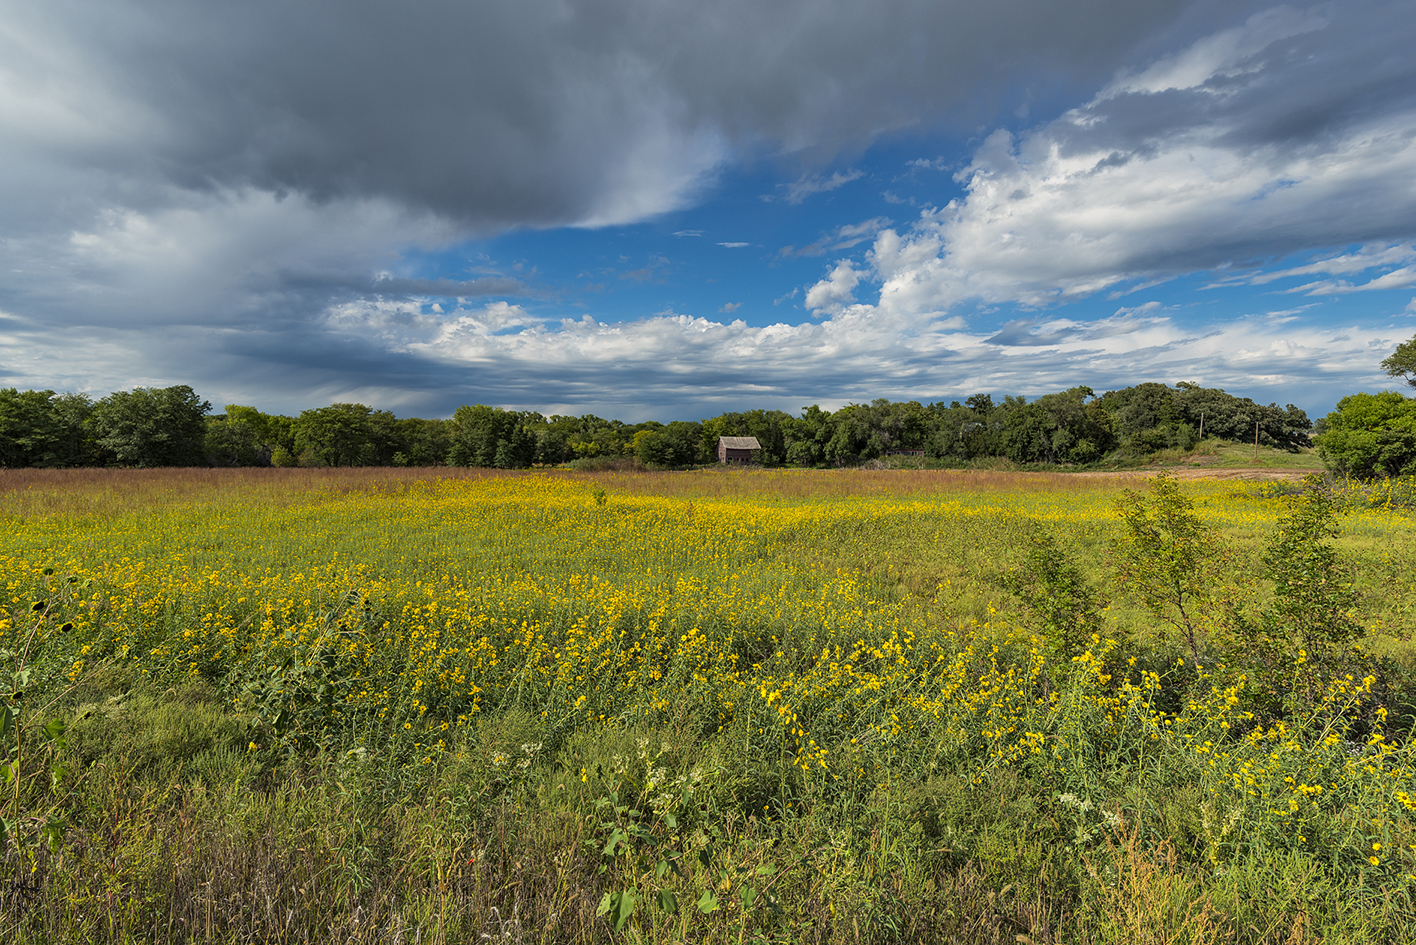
x=632, y=841
x=1308, y=632
x=293, y=695
x=1167, y=557
x=644, y=847
x=1060, y=599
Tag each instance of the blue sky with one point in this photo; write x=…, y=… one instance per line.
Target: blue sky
x=653, y=210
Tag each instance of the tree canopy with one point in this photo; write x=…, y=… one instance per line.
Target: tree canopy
x=1402, y=362
x=173, y=426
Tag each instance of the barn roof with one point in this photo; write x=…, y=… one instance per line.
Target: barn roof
x=739, y=442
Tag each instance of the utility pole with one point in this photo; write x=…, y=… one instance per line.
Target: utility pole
x=1256, y=441
x=1202, y=425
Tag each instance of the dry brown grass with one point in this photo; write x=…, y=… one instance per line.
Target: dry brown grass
x=843, y=483
x=108, y=491
x=31, y=492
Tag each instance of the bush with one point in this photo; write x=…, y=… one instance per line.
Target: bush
x=1370, y=435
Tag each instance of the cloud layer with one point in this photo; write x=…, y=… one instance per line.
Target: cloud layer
x=228, y=195
x=1257, y=142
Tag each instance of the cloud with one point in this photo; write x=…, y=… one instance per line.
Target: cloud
x=1368, y=257
x=207, y=259
x=730, y=307
x=231, y=196
x=1224, y=55
x=842, y=237
x=836, y=291
x=673, y=365
x=804, y=187
x=1263, y=141
x=734, y=245
x=506, y=112
x=1396, y=279
x=398, y=354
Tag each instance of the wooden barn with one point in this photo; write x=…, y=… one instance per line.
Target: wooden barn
x=737, y=449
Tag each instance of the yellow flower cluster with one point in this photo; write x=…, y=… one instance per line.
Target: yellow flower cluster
x=414, y=611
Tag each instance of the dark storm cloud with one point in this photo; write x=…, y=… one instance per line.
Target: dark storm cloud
x=525, y=112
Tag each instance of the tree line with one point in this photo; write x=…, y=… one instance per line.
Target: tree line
x=173, y=426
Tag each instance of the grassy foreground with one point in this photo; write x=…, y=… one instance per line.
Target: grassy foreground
x=787, y=707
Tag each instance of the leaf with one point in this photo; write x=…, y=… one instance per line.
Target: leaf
x=624, y=908
x=671, y=820
x=668, y=902
x=766, y=869
x=707, y=902
x=53, y=831
x=748, y=895
x=606, y=903
x=54, y=729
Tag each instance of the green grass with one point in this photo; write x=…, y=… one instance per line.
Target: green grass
x=188, y=815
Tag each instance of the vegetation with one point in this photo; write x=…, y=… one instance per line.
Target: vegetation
x=781, y=706
x=169, y=427
x=1371, y=435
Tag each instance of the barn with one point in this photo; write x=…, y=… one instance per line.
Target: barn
x=737, y=449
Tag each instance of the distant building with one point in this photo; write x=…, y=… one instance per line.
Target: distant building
x=737, y=449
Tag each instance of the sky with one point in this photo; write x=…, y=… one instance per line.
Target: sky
x=663, y=210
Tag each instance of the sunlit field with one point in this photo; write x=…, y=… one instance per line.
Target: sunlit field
x=798, y=706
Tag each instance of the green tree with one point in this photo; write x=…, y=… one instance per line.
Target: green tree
x=232, y=443
x=243, y=436
x=1167, y=557
x=1402, y=362
x=1314, y=601
x=1370, y=435
x=805, y=437
x=668, y=446
x=423, y=442
x=1149, y=417
x=29, y=428
x=76, y=443
x=150, y=426
x=491, y=436
x=1067, y=427
x=1064, y=606
x=346, y=435
x=971, y=430
x=1305, y=636
x=561, y=439
x=1145, y=417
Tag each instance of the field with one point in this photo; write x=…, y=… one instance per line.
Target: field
x=816, y=706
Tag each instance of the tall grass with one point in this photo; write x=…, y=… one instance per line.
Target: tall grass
x=379, y=705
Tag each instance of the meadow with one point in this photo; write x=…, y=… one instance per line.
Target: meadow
x=720, y=706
